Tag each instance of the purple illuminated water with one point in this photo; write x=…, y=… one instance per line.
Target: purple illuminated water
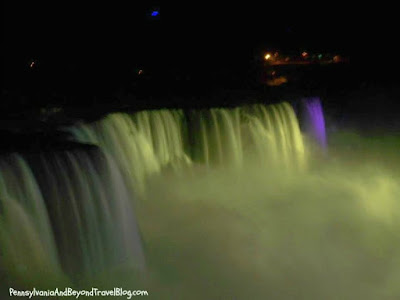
x=315, y=120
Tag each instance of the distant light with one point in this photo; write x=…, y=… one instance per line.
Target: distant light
x=33, y=63
x=277, y=81
x=304, y=54
x=140, y=72
x=155, y=13
x=319, y=56
x=267, y=56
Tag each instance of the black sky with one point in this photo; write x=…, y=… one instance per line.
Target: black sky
x=110, y=35
x=71, y=27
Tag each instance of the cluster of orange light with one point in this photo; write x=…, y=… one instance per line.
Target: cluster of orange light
x=276, y=58
x=269, y=56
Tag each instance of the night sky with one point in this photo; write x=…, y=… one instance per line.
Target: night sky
x=112, y=39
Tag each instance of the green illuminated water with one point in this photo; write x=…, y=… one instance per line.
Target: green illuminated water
x=144, y=143
x=230, y=204
x=28, y=244
x=67, y=217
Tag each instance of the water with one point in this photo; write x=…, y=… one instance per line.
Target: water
x=66, y=214
x=76, y=207
x=141, y=144
x=315, y=121
x=26, y=236
x=147, y=142
x=207, y=204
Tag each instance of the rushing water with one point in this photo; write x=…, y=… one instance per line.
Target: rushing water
x=144, y=143
x=315, y=121
x=208, y=204
x=69, y=213
x=26, y=236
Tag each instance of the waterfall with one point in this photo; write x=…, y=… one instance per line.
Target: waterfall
x=315, y=121
x=274, y=136
x=69, y=213
x=143, y=143
x=26, y=238
x=215, y=136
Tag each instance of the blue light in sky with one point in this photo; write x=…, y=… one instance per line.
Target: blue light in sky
x=155, y=13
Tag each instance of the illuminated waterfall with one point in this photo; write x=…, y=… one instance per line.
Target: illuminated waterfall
x=215, y=136
x=276, y=135
x=70, y=214
x=75, y=200
x=26, y=238
x=144, y=142
x=268, y=134
x=219, y=203
x=315, y=121
x=141, y=144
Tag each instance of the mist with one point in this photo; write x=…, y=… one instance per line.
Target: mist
x=327, y=232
